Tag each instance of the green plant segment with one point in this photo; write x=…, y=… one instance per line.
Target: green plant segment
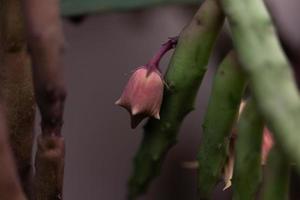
x=79, y=7
x=184, y=76
x=268, y=70
x=276, y=186
x=227, y=91
x=247, y=168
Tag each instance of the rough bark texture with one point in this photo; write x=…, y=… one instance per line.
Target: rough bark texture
x=184, y=76
x=16, y=88
x=45, y=41
x=227, y=91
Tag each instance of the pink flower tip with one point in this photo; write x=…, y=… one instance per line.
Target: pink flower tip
x=267, y=144
x=142, y=96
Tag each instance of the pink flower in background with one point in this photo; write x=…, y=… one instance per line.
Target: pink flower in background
x=267, y=145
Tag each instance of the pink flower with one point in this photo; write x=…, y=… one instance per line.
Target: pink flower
x=143, y=94
x=267, y=145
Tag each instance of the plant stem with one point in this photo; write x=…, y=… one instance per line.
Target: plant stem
x=184, y=76
x=227, y=91
x=247, y=168
x=46, y=43
x=10, y=187
x=170, y=44
x=49, y=167
x=271, y=78
x=276, y=185
x=16, y=89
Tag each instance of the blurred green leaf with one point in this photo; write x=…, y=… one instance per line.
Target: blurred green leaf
x=80, y=7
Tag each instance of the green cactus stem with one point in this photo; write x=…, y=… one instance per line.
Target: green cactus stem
x=16, y=88
x=183, y=78
x=247, y=174
x=276, y=184
x=270, y=75
x=227, y=91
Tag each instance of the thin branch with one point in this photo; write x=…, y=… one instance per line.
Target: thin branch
x=247, y=168
x=16, y=88
x=10, y=188
x=223, y=107
x=49, y=168
x=45, y=41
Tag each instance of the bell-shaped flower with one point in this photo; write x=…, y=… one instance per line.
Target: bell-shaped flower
x=143, y=94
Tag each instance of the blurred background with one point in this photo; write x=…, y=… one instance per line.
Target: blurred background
x=102, y=50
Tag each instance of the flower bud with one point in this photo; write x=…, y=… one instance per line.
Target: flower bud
x=267, y=144
x=143, y=94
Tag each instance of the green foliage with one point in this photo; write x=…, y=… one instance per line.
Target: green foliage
x=270, y=76
x=277, y=181
x=227, y=91
x=79, y=7
x=247, y=168
x=184, y=76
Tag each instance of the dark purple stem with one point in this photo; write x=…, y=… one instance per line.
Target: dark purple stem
x=170, y=44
